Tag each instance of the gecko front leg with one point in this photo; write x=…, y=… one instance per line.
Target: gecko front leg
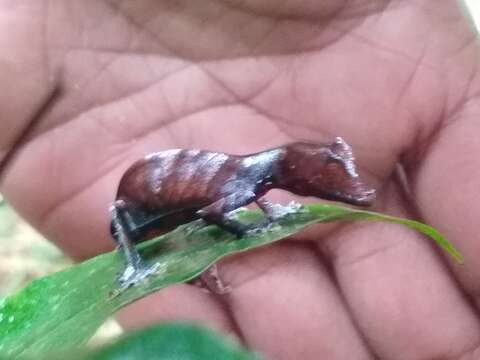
x=217, y=212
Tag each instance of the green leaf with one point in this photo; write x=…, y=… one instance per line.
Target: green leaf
x=174, y=341
x=64, y=310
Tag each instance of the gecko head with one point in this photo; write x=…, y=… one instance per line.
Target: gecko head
x=338, y=179
x=328, y=171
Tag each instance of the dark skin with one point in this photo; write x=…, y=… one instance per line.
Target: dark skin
x=398, y=79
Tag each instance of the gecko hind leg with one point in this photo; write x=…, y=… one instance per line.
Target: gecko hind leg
x=123, y=231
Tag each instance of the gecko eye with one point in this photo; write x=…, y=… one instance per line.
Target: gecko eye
x=336, y=173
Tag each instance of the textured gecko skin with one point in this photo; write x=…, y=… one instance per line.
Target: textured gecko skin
x=173, y=187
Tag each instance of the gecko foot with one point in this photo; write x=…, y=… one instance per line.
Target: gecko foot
x=214, y=282
x=132, y=275
x=211, y=282
x=278, y=212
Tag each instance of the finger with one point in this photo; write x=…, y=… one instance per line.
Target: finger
x=446, y=186
x=286, y=306
x=401, y=295
x=181, y=302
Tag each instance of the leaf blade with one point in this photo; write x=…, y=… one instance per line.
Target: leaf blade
x=64, y=310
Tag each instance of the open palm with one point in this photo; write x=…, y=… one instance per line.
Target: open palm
x=105, y=82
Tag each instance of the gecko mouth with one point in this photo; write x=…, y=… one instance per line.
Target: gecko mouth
x=364, y=198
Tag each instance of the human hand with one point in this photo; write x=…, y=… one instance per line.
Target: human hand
x=397, y=80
